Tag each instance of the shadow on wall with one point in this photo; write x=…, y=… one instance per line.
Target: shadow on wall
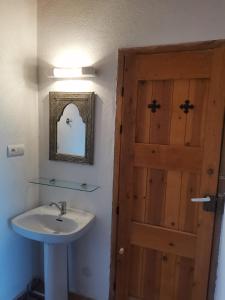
x=30, y=73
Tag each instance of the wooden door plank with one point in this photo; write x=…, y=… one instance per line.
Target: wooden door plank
x=152, y=274
x=137, y=254
x=155, y=201
x=184, y=278
x=139, y=194
x=178, y=117
x=136, y=272
x=164, y=240
x=167, y=288
x=143, y=112
x=183, y=65
x=172, y=157
x=172, y=205
x=188, y=217
x=160, y=120
x=198, y=95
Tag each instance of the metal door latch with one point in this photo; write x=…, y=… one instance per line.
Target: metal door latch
x=209, y=202
x=211, y=205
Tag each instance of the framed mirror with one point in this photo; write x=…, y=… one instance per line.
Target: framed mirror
x=71, y=127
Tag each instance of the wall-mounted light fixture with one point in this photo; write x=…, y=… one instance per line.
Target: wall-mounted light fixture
x=70, y=73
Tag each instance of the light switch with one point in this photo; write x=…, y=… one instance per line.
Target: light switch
x=15, y=150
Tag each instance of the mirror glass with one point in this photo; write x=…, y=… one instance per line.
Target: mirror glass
x=71, y=132
x=71, y=121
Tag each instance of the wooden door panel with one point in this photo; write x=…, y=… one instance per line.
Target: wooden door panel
x=153, y=128
x=169, y=155
x=164, y=199
x=145, y=284
x=149, y=196
x=170, y=125
x=160, y=276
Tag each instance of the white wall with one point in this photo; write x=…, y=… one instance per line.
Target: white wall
x=18, y=124
x=73, y=32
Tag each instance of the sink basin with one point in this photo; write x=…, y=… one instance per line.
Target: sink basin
x=43, y=224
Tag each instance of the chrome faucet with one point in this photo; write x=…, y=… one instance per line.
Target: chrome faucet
x=61, y=207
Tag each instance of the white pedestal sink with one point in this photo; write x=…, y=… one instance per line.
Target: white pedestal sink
x=42, y=224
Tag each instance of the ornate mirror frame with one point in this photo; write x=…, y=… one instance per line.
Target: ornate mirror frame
x=85, y=102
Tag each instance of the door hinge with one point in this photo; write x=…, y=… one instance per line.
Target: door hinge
x=121, y=129
x=122, y=91
x=117, y=210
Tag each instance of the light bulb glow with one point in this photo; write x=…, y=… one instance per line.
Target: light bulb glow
x=83, y=72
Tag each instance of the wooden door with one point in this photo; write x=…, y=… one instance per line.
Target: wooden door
x=172, y=118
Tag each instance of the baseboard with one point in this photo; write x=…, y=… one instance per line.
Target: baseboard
x=73, y=296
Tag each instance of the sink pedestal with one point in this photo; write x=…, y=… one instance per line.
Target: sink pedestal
x=55, y=271
x=42, y=224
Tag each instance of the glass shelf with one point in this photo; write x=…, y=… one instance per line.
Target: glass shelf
x=65, y=184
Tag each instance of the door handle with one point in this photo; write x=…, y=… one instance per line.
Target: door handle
x=204, y=199
x=209, y=202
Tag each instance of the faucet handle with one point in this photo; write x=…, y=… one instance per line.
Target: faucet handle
x=63, y=206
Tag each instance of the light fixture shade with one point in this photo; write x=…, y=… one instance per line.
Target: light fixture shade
x=83, y=72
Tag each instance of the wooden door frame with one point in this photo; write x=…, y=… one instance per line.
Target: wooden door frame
x=122, y=53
